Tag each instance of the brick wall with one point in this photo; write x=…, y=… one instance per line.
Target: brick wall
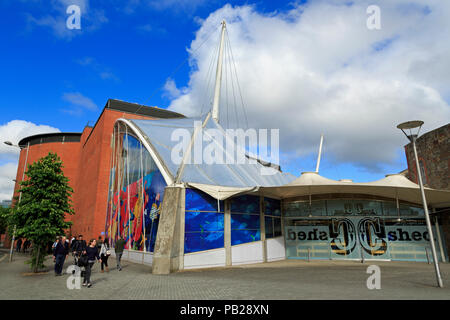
x=93, y=176
x=433, y=150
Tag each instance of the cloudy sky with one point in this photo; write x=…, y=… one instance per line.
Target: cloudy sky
x=306, y=68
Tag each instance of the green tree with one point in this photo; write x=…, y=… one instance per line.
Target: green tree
x=4, y=218
x=44, y=202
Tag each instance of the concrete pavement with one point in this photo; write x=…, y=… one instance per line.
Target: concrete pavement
x=287, y=280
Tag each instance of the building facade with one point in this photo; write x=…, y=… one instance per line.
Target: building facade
x=184, y=215
x=86, y=159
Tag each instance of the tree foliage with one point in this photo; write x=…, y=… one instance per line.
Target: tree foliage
x=4, y=219
x=44, y=202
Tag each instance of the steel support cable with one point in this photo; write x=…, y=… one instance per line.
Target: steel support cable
x=237, y=80
x=179, y=66
x=226, y=87
x=234, y=95
x=206, y=92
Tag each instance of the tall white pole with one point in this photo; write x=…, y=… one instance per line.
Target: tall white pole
x=215, y=109
x=320, y=153
x=427, y=216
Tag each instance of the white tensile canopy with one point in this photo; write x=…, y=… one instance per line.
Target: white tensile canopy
x=222, y=181
x=394, y=186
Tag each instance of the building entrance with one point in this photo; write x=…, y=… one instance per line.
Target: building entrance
x=359, y=238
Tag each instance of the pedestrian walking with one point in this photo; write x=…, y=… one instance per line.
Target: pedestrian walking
x=99, y=243
x=78, y=248
x=26, y=245
x=92, y=254
x=19, y=244
x=104, y=254
x=118, y=249
x=60, y=255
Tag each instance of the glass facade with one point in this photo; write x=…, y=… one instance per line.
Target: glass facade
x=356, y=229
x=245, y=219
x=204, y=222
x=135, y=194
x=272, y=217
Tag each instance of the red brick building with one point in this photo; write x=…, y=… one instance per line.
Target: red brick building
x=433, y=151
x=86, y=158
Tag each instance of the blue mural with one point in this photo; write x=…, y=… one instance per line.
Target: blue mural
x=203, y=230
x=154, y=189
x=245, y=228
x=245, y=204
x=197, y=200
x=272, y=207
x=199, y=241
x=203, y=221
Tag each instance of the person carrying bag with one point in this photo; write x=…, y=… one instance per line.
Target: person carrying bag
x=105, y=252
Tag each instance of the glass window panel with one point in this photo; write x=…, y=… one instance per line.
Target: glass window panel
x=340, y=207
x=406, y=210
x=367, y=208
x=244, y=236
x=245, y=221
x=200, y=241
x=245, y=204
x=197, y=200
x=276, y=227
x=318, y=208
x=296, y=209
x=203, y=221
x=272, y=207
x=268, y=223
x=390, y=208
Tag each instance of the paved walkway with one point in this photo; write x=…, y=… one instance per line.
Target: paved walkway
x=291, y=280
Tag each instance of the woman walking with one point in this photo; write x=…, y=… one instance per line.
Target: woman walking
x=92, y=254
x=104, y=254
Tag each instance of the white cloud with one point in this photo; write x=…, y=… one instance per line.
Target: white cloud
x=318, y=68
x=7, y=175
x=78, y=103
x=13, y=132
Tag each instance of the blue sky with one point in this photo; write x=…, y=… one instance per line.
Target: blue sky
x=128, y=58
x=60, y=78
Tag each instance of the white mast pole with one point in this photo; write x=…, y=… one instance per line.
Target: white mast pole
x=215, y=109
x=320, y=153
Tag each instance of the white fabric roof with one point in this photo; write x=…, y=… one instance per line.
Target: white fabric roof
x=222, y=181
x=392, y=186
x=212, y=178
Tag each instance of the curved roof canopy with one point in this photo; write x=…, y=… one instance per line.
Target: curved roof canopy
x=178, y=164
x=180, y=146
x=392, y=186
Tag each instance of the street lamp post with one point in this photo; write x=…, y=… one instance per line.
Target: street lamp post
x=20, y=194
x=410, y=125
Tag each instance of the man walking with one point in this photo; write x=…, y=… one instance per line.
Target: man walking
x=118, y=248
x=60, y=254
x=78, y=248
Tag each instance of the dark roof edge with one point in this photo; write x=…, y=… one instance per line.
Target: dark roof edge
x=46, y=137
x=115, y=104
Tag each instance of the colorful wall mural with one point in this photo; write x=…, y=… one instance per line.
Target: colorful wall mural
x=136, y=194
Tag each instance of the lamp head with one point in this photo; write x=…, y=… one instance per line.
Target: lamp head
x=411, y=125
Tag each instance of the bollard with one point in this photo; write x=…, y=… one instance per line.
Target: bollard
x=362, y=255
x=428, y=256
